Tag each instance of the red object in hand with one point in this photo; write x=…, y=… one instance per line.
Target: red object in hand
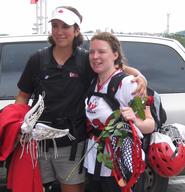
x=150, y=100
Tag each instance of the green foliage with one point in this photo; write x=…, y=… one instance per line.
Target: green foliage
x=114, y=128
x=138, y=106
x=178, y=37
x=106, y=159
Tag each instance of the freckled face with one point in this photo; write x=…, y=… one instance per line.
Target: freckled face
x=63, y=34
x=101, y=56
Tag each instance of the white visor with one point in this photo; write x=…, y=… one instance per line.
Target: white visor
x=65, y=15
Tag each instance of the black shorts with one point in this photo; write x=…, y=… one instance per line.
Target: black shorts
x=103, y=184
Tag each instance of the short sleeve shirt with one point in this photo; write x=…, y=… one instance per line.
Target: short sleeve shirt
x=98, y=112
x=65, y=89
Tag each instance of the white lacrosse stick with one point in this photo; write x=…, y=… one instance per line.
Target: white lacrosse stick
x=42, y=132
x=32, y=116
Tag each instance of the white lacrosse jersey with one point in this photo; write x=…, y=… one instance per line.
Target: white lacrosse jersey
x=98, y=112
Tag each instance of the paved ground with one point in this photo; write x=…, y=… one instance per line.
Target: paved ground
x=176, y=184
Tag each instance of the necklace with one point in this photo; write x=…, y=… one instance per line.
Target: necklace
x=100, y=86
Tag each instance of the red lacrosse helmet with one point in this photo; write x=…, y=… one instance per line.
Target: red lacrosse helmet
x=167, y=151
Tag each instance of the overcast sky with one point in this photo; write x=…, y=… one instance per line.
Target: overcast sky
x=18, y=16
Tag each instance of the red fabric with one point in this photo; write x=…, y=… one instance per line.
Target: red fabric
x=11, y=118
x=34, y=1
x=23, y=176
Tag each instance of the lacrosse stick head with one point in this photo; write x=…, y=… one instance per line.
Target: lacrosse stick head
x=132, y=146
x=127, y=161
x=167, y=151
x=42, y=132
x=129, y=157
x=32, y=116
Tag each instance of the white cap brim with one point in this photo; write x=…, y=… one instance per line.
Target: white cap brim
x=65, y=15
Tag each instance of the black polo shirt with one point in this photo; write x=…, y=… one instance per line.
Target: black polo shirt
x=64, y=86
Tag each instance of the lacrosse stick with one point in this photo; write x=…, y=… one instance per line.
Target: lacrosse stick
x=123, y=128
x=126, y=158
x=42, y=131
x=137, y=162
x=32, y=116
x=29, y=122
x=38, y=132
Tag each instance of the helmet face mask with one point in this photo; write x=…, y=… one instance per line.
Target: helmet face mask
x=166, y=149
x=175, y=131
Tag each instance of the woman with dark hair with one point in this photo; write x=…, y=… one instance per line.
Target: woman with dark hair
x=64, y=82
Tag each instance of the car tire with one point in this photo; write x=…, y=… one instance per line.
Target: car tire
x=150, y=181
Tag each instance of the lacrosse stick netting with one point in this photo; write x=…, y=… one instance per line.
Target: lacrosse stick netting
x=127, y=159
x=29, y=122
x=38, y=132
x=32, y=116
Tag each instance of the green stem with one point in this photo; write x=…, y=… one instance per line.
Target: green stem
x=78, y=164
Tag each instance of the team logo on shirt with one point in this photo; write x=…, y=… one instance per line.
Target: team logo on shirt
x=92, y=106
x=71, y=74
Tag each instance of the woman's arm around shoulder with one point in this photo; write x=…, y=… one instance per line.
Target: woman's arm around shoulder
x=139, y=78
x=124, y=96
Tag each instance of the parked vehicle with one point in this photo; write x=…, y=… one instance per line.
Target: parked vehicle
x=161, y=60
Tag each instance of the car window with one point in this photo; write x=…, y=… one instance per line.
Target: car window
x=161, y=65
x=14, y=57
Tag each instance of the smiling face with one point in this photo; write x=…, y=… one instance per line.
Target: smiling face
x=102, y=57
x=63, y=34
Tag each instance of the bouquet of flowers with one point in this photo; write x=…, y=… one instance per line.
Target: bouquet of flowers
x=123, y=145
x=118, y=128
